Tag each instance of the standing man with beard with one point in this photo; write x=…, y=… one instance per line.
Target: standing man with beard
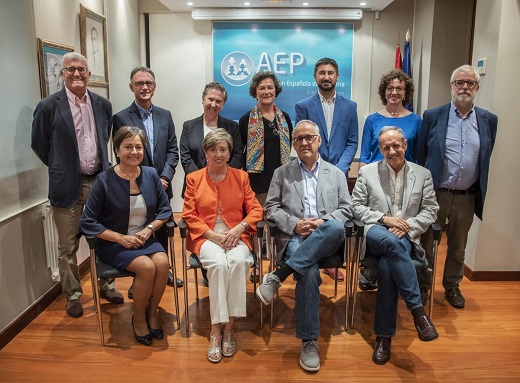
x=455, y=143
x=161, y=150
x=337, y=119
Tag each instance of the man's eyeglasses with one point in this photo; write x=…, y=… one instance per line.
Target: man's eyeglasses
x=140, y=84
x=72, y=70
x=391, y=89
x=272, y=126
x=308, y=139
x=460, y=83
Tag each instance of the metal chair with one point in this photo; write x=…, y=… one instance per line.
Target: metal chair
x=194, y=264
x=334, y=261
x=100, y=269
x=354, y=263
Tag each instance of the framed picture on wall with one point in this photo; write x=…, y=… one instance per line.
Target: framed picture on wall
x=50, y=56
x=93, y=36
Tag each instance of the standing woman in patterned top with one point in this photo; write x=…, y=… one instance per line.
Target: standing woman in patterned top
x=266, y=134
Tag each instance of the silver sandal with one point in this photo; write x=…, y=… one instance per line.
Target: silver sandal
x=214, y=353
x=229, y=347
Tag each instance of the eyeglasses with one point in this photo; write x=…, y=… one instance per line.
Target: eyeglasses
x=72, y=70
x=140, y=84
x=460, y=83
x=272, y=126
x=308, y=139
x=391, y=89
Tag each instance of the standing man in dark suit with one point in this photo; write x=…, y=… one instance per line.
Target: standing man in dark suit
x=70, y=133
x=337, y=119
x=455, y=143
x=161, y=149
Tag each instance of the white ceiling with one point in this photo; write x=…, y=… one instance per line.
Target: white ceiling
x=181, y=5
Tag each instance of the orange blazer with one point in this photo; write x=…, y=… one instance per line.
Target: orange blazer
x=237, y=203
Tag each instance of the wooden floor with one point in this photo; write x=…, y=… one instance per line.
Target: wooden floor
x=480, y=343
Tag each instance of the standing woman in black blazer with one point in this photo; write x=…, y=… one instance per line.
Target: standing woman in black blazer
x=193, y=158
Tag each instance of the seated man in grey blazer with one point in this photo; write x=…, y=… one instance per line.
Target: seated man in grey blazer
x=396, y=202
x=308, y=200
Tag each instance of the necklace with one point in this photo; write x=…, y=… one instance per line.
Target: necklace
x=134, y=188
x=217, y=178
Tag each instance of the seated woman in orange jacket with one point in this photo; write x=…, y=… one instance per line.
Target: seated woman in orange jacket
x=221, y=212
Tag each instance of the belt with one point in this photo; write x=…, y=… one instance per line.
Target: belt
x=460, y=192
x=90, y=175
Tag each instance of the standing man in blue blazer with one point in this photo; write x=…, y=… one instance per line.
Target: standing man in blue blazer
x=455, y=143
x=337, y=119
x=161, y=149
x=70, y=132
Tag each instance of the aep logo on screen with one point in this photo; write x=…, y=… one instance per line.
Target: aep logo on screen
x=237, y=68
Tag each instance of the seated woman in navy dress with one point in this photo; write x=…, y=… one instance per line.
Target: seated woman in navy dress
x=126, y=205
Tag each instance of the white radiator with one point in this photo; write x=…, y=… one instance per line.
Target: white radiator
x=51, y=241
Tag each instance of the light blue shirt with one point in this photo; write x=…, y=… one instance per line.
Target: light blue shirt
x=461, y=158
x=310, y=184
x=147, y=117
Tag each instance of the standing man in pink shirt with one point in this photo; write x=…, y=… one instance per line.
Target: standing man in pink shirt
x=70, y=133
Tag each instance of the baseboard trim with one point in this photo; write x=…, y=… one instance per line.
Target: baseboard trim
x=25, y=318
x=483, y=275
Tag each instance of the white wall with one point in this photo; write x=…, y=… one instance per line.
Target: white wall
x=24, y=276
x=497, y=27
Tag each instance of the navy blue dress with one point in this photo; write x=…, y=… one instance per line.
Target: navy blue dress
x=108, y=207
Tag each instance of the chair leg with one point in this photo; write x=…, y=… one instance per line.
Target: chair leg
x=336, y=282
x=185, y=276
x=196, y=275
x=260, y=271
x=171, y=248
x=96, y=294
x=354, y=275
x=434, y=271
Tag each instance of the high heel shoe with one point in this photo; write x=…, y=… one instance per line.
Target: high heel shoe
x=156, y=333
x=229, y=347
x=214, y=353
x=145, y=339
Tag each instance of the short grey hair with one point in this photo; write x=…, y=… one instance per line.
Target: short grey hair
x=71, y=56
x=214, y=137
x=141, y=69
x=466, y=69
x=385, y=129
x=309, y=122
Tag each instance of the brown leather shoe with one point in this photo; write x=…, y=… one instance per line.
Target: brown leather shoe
x=382, y=350
x=455, y=298
x=331, y=272
x=74, y=308
x=425, y=328
x=113, y=296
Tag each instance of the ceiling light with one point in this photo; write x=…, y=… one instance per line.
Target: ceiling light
x=305, y=4
x=190, y=3
x=362, y=4
x=247, y=3
x=276, y=14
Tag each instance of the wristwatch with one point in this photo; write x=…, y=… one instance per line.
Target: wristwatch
x=381, y=221
x=150, y=226
x=245, y=224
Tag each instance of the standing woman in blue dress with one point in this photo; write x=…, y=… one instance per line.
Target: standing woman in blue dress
x=126, y=205
x=396, y=91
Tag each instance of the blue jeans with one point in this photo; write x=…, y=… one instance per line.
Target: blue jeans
x=303, y=255
x=396, y=274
